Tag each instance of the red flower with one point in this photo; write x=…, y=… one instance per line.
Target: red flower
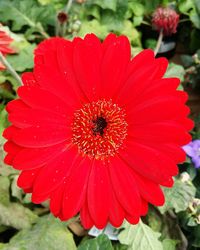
x=5, y=49
x=166, y=19
x=96, y=132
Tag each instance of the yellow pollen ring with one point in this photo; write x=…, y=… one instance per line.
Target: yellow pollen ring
x=99, y=142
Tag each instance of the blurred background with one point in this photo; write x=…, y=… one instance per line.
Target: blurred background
x=25, y=23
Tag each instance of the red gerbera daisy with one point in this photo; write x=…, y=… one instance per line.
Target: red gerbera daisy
x=5, y=41
x=96, y=132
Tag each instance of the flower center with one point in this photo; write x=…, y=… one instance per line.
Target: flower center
x=99, y=124
x=99, y=129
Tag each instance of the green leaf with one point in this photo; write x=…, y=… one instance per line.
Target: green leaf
x=26, y=13
x=195, y=18
x=94, y=11
x=169, y=244
x=150, y=43
x=4, y=190
x=4, y=121
x=137, y=20
x=191, y=8
x=197, y=5
x=5, y=169
x=4, y=246
x=140, y=237
x=104, y=4
x=194, y=40
x=100, y=243
x=186, y=5
x=187, y=60
x=178, y=197
x=15, y=190
x=24, y=60
x=132, y=33
x=4, y=77
x=44, y=2
x=17, y=216
x=196, y=240
x=175, y=70
x=48, y=234
x=93, y=27
x=114, y=20
x=150, y=6
x=137, y=8
x=118, y=246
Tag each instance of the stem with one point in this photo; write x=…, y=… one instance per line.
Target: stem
x=68, y=6
x=146, y=23
x=61, y=29
x=45, y=35
x=184, y=20
x=42, y=31
x=10, y=68
x=158, y=42
x=57, y=27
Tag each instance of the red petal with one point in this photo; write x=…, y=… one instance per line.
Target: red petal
x=158, y=88
x=144, y=207
x=9, y=132
x=55, y=172
x=138, y=61
x=49, y=73
x=166, y=108
x=171, y=150
x=149, y=190
x=42, y=136
x=160, y=132
x=132, y=218
x=48, y=46
x=30, y=158
x=116, y=215
x=36, y=117
x=109, y=40
x=56, y=199
x=28, y=79
x=186, y=122
x=75, y=188
x=12, y=148
x=49, y=78
x=124, y=186
x=162, y=64
x=26, y=178
x=99, y=194
x=65, y=63
x=34, y=97
x=16, y=105
x=161, y=87
x=8, y=159
x=154, y=166
x=114, y=64
x=138, y=81
x=86, y=219
x=87, y=65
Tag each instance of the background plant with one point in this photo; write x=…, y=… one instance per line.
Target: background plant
x=23, y=225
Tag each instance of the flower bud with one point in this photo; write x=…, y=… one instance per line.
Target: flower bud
x=62, y=17
x=165, y=19
x=80, y=1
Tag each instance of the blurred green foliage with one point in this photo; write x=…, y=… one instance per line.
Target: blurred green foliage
x=24, y=226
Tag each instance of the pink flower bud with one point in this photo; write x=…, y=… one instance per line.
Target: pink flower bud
x=166, y=19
